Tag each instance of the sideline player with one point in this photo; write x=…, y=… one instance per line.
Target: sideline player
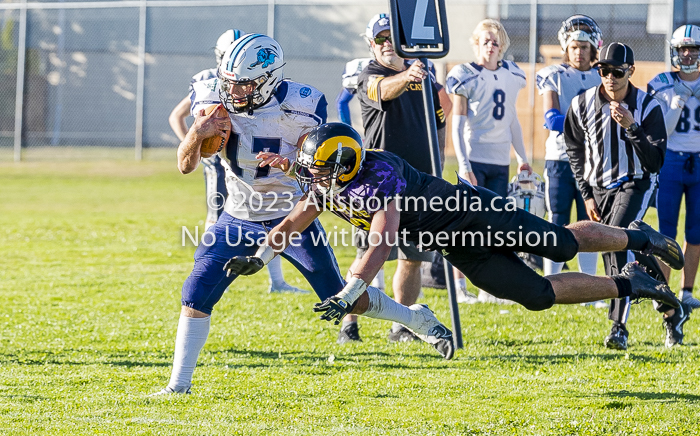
x=679, y=95
x=214, y=173
x=380, y=192
x=580, y=39
x=484, y=120
x=265, y=113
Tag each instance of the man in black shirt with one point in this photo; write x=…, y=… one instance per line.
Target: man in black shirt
x=616, y=142
x=393, y=114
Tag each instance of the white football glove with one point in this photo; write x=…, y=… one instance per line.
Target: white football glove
x=682, y=90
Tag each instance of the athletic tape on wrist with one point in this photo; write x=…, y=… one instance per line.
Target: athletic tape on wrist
x=293, y=167
x=266, y=253
x=352, y=290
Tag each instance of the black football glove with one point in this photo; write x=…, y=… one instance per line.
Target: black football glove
x=334, y=309
x=243, y=265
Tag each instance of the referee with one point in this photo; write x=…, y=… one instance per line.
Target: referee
x=616, y=142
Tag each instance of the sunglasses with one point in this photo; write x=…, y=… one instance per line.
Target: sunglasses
x=617, y=73
x=379, y=40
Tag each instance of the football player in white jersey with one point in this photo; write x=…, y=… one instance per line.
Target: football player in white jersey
x=268, y=118
x=580, y=39
x=349, y=82
x=214, y=173
x=484, y=121
x=679, y=94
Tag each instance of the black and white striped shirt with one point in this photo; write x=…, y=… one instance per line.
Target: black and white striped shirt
x=601, y=152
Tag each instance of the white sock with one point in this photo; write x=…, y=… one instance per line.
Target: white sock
x=378, y=281
x=462, y=283
x=587, y=262
x=274, y=268
x=381, y=306
x=191, y=335
x=551, y=267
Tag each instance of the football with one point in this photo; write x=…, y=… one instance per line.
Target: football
x=213, y=145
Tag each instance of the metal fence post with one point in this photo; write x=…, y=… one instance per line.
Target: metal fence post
x=533, y=71
x=140, y=81
x=271, y=18
x=19, y=91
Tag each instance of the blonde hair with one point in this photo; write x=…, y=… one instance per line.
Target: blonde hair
x=500, y=32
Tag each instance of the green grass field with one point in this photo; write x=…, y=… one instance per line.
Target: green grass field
x=90, y=275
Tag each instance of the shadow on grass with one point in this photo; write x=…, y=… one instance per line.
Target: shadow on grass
x=314, y=361
x=665, y=397
x=556, y=359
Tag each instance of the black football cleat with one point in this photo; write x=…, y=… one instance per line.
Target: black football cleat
x=617, y=339
x=349, y=333
x=674, y=325
x=402, y=335
x=661, y=246
x=645, y=287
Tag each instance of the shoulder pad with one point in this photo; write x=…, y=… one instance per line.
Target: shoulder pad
x=204, y=75
x=352, y=72
x=550, y=70
x=300, y=98
x=206, y=90
x=355, y=67
x=458, y=76
x=661, y=80
x=204, y=93
x=514, y=69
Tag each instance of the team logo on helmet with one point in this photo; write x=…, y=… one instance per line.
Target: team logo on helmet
x=266, y=57
x=329, y=158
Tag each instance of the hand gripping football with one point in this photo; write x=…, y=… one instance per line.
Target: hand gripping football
x=213, y=145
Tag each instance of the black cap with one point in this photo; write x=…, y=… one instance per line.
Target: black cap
x=616, y=54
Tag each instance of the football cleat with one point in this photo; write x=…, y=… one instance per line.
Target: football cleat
x=432, y=331
x=687, y=298
x=661, y=246
x=402, y=335
x=674, y=325
x=168, y=391
x=644, y=286
x=466, y=297
x=485, y=297
x=349, y=333
x=617, y=339
x=285, y=288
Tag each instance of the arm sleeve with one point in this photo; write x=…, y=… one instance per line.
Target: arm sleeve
x=672, y=112
x=343, y=106
x=576, y=149
x=554, y=120
x=460, y=146
x=649, y=141
x=516, y=132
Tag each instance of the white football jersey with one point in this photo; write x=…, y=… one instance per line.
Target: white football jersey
x=261, y=194
x=202, y=75
x=491, y=96
x=352, y=72
x=686, y=135
x=567, y=82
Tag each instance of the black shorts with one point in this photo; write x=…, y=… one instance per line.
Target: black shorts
x=403, y=250
x=485, y=247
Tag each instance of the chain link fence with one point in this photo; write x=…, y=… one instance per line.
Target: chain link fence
x=99, y=78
